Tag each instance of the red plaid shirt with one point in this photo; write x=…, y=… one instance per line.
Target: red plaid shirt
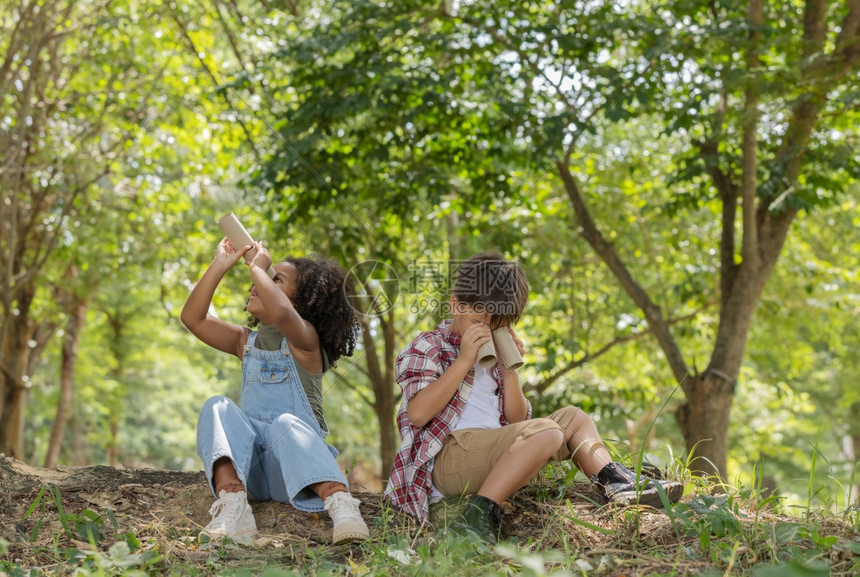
x=422, y=362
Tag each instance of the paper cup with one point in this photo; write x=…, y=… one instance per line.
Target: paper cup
x=487, y=355
x=239, y=237
x=506, y=348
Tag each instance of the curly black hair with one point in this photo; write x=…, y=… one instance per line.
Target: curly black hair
x=320, y=299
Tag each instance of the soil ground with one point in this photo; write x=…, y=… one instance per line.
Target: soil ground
x=181, y=500
x=166, y=510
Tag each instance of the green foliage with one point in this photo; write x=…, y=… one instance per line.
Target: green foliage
x=449, y=110
x=705, y=516
x=89, y=527
x=85, y=526
x=119, y=560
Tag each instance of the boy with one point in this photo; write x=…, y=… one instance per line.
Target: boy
x=467, y=430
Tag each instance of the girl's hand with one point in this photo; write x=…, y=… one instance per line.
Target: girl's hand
x=227, y=255
x=475, y=336
x=262, y=259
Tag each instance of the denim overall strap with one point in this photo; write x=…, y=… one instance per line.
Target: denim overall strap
x=271, y=385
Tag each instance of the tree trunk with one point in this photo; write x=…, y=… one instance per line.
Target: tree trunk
x=388, y=444
x=854, y=489
x=704, y=422
x=71, y=337
x=31, y=60
x=704, y=416
x=14, y=361
x=12, y=417
x=381, y=375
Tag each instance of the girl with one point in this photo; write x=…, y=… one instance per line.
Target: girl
x=273, y=447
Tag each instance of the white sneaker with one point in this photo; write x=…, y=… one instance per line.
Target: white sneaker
x=348, y=524
x=231, y=517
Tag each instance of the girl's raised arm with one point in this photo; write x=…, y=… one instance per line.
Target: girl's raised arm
x=299, y=333
x=216, y=333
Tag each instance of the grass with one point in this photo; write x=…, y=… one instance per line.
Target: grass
x=551, y=530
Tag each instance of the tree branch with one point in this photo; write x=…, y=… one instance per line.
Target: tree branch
x=819, y=75
x=216, y=83
x=728, y=193
x=537, y=70
x=749, y=147
x=848, y=40
x=814, y=29
x=231, y=38
x=606, y=251
x=371, y=354
x=341, y=378
x=16, y=41
x=607, y=104
x=589, y=357
x=390, y=338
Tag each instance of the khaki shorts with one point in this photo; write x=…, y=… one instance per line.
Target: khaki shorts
x=468, y=455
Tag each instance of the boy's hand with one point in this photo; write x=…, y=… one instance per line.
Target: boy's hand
x=227, y=255
x=475, y=336
x=520, y=347
x=262, y=259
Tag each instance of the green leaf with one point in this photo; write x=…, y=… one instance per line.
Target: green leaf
x=786, y=532
x=35, y=502
x=793, y=569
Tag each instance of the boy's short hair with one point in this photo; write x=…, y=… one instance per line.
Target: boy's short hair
x=488, y=282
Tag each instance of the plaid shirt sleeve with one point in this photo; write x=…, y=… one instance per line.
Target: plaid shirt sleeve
x=418, y=365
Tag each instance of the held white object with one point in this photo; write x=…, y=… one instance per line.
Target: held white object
x=239, y=237
x=506, y=348
x=500, y=346
x=487, y=354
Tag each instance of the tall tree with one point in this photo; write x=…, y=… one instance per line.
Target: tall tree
x=80, y=127
x=51, y=137
x=75, y=307
x=414, y=105
x=772, y=158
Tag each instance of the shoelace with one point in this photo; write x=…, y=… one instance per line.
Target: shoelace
x=630, y=476
x=343, y=507
x=229, y=509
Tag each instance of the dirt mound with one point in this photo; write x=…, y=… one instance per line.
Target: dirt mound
x=46, y=509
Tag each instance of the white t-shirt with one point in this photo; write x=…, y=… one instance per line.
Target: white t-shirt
x=481, y=410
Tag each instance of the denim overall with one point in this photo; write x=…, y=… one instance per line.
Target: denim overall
x=274, y=440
